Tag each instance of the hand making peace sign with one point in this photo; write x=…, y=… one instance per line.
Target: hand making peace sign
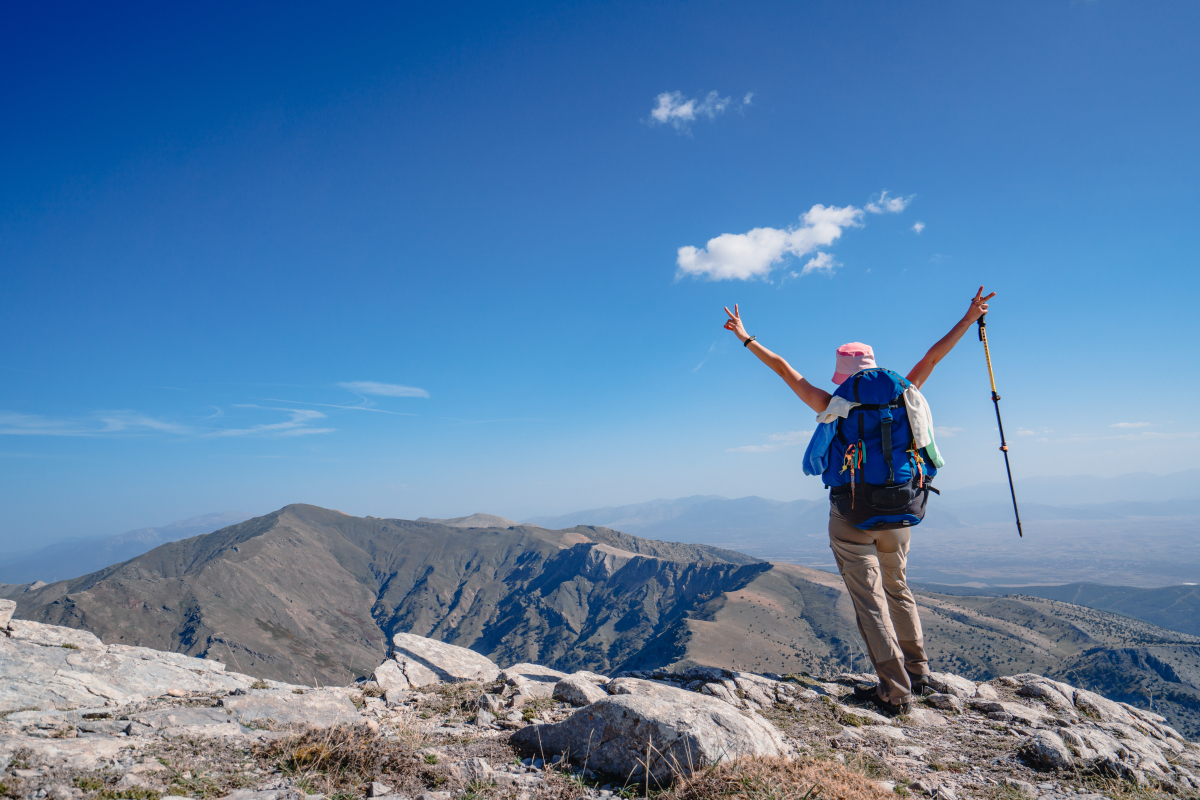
x=979, y=306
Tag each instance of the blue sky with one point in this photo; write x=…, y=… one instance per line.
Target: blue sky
x=220, y=224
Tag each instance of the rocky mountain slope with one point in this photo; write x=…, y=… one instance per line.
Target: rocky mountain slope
x=311, y=595
x=90, y=721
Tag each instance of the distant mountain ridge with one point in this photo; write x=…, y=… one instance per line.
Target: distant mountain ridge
x=63, y=560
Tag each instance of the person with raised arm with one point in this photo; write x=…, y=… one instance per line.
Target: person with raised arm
x=875, y=450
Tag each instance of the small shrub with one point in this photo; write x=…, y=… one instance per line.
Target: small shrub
x=131, y=793
x=88, y=783
x=260, y=684
x=431, y=758
x=534, y=708
x=297, y=691
x=69, y=646
x=476, y=789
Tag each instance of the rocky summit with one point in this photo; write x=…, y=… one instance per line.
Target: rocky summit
x=100, y=722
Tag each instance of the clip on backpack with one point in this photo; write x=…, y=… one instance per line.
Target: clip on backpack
x=876, y=474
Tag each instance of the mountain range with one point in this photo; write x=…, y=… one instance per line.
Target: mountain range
x=312, y=595
x=68, y=559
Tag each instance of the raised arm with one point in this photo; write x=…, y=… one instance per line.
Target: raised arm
x=924, y=368
x=817, y=399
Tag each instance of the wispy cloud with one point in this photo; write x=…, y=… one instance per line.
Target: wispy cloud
x=777, y=441
x=711, y=348
x=671, y=108
x=134, y=423
x=100, y=423
x=298, y=425
x=888, y=205
x=1132, y=425
x=742, y=256
x=946, y=432
x=918, y=227
x=383, y=389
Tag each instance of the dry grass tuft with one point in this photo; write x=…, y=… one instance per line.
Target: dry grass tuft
x=342, y=758
x=770, y=778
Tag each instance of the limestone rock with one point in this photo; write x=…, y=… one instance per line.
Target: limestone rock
x=389, y=676
x=38, y=672
x=1046, y=750
x=956, y=685
x=682, y=730
x=532, y=680
x=7, y=607
x=578, y=691
x=985, y=692
x=946, y=702
x=448, y=662
x=52, y=635
x=319, y=707
x=857, y=717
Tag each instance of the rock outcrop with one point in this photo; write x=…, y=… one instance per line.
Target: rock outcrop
x=82, y=719
x=653, y=733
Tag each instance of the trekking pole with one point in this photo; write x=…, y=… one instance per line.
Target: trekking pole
x=996, y=400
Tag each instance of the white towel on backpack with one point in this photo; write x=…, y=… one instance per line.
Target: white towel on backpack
x=920, y=419
x=838, y=407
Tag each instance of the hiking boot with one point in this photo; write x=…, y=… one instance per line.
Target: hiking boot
x=920, y=685
x=894, y=709
x=868, y=692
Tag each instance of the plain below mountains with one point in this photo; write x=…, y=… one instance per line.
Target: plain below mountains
x=309, y=595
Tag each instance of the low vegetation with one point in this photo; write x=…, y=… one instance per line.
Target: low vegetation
x=777, y=779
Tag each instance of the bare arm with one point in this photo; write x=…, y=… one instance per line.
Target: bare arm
x=924, y=368
x=817, y=399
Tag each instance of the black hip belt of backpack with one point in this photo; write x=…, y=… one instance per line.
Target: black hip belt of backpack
x=872, y=504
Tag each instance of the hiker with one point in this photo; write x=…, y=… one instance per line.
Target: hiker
x=875, y=451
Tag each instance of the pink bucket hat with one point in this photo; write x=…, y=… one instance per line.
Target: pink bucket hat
x=851, y=358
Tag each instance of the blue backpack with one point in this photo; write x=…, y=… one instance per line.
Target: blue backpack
x=875, y=472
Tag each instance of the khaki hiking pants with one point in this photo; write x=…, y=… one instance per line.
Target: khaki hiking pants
x=873, y=565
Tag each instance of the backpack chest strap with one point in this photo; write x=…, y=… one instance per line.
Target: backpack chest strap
x=885, y=434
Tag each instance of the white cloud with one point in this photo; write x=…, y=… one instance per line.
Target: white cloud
x=918, y=226
x=1132, y=425
x=672, y=109
x=383, y=389
x=778, y=441
x=746, y=100
x=742, y=256
x=945, y=432
x=821, y=261
x=889, y=205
